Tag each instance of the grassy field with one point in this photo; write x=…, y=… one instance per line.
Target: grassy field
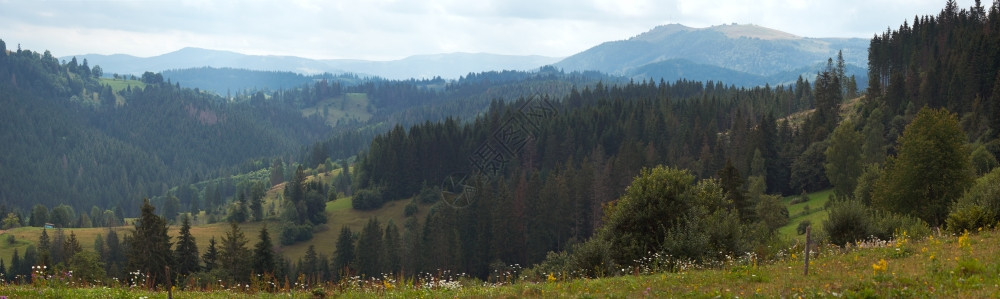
x=343, y=108
x=339, y=213
x=119, y=84
x=940, y=266
x=797, y=213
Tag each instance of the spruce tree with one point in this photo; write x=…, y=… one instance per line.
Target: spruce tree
x=211, y=256
x=149, y=245
x=44, y=246
x=186, y=251
x=263, y=254
x=369, y=249
x=344, y=257
x=234, y=255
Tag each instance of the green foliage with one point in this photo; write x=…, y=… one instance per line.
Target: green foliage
x=808, y=173
x=370, y=256
x=211, y=256
x=978, y=207
x=87, y=267
x=843, y=159
x=983, y=160
x=429, y=194
x=867, y=182
x=292, y=233
x=848, y=221
x=803, y=225
x=772, y=212
x=264, y=257
x=343, y=258
x=931, y=170
x=186, y=250
x=367, y=199
x=39, y=216
x=234, y=256
x=411, y=209
x=657, y=198
x=149, y=245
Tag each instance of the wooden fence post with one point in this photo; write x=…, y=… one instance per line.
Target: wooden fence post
x=805, y=269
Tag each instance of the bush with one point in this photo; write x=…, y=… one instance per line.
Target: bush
x=983, y=160
x=848, y=221
x=800, y=199
x=411, y=209
x=429, y=195
x=888, y=225
x=367, y=199
x=292, y=233
x=801, y=229
x=978, y=207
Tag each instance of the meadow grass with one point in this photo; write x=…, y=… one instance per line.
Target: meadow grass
x=119, y=84
x=940, y=266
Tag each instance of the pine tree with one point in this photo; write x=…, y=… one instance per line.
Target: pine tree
x=71, y=246
x=263, y=254
x=44, y=247
x=392, y=243
x=234, y=254
x=310, y=264
x=149, y=245
x=344, y=257
x=114, y=258
x=369, y=252
x=211, y=256
x=186, y=250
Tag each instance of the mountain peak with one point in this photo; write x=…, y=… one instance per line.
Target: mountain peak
x=733, y=30
x=752, y=31
x=661, y=32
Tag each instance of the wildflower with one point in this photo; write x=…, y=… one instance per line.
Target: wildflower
x=551, y=277
x=881, y=266
x=963, y=240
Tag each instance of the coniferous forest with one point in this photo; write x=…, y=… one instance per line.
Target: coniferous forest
x=583, y=174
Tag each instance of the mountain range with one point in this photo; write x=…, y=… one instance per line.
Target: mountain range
x=739, y=54
x=451, y=65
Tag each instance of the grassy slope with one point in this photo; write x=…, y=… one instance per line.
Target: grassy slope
x=338, y=212
x=817, y=214
x=119, y=85
x=355, y=107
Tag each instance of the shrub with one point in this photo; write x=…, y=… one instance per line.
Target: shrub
x=367, y=199
x=801, y=229
x=848, y=221
x=983, y=160
x=978, y=207
x=411, y=209
x=292, y=233
x=429, y=195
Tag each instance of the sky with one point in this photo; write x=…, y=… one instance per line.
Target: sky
x=395, y=29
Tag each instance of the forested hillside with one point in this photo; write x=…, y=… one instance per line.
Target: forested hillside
x=71, y=140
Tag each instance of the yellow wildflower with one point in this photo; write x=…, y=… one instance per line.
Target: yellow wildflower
x=881, y=266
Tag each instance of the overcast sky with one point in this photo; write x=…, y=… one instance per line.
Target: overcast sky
x=388, y=29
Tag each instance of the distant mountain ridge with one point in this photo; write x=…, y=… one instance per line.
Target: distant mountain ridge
x=450, y=66
x=747, y=50
x=744, y=55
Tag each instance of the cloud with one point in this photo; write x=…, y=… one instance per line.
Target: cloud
x=393, y=29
